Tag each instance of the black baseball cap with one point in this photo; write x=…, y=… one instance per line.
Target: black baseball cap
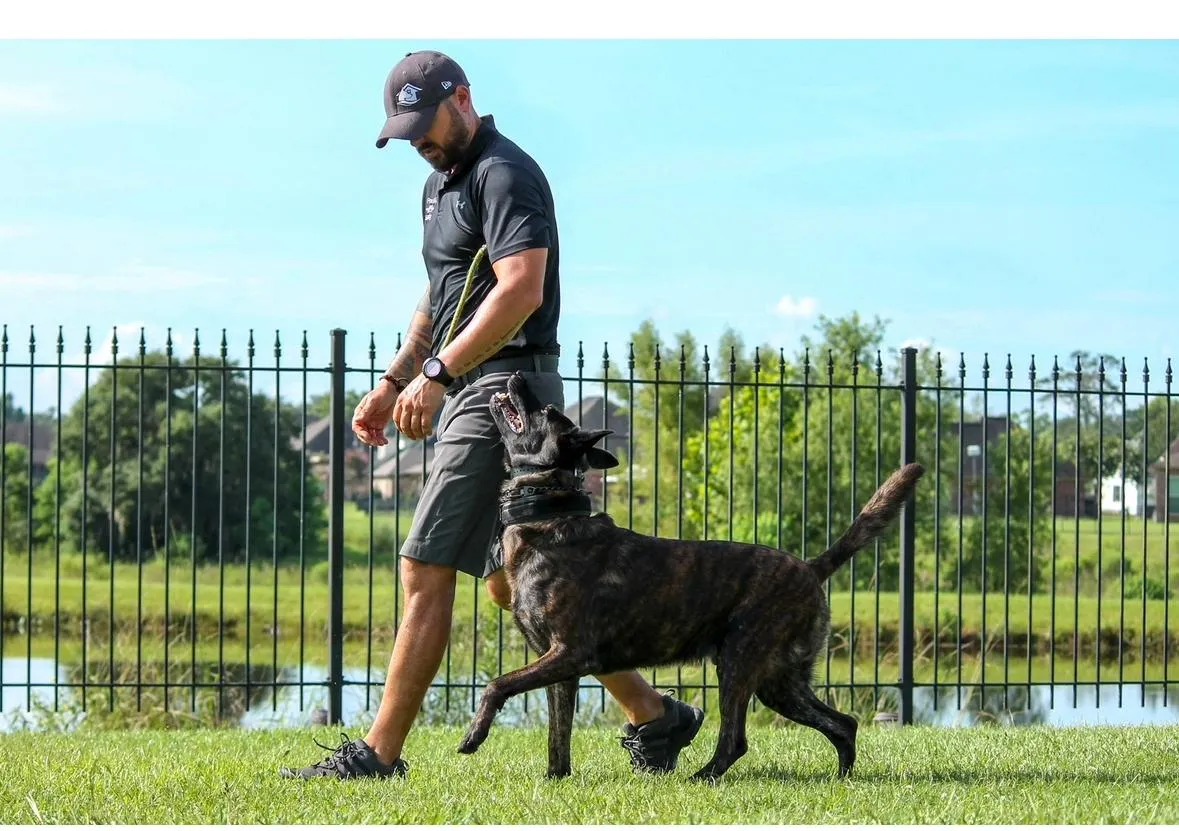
x=414, y=89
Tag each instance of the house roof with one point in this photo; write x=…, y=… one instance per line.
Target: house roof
x=1160, y=464
x=44, y=435
x=409, y=461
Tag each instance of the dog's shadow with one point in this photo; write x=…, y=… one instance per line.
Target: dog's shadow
x=783, y=773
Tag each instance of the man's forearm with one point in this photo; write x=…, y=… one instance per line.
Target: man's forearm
x=497, y=320
x=416, y=346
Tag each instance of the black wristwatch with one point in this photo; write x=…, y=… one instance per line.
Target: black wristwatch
x=435, y=370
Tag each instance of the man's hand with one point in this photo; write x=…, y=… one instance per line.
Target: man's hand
x=373, y=413
x=416, y=407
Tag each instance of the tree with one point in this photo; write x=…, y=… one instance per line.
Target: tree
x=319, y=405
x=193, y=492
x=14, y=525
x=790, y=461
x=11, y=411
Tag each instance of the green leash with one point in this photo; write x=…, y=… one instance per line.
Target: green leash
x=458, y=312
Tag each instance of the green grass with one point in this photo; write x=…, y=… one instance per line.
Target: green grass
x=912, y=775
x=302, y=599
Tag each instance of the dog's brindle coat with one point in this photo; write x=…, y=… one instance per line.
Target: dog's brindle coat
x=593, y=598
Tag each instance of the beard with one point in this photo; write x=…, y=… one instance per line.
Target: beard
x=449, y=151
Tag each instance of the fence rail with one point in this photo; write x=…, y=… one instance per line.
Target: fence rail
x=182, y=534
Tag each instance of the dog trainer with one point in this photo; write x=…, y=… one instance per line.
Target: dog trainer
x=484, y=191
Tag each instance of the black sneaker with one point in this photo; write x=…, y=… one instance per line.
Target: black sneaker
x=352, y=759
x=655, y=745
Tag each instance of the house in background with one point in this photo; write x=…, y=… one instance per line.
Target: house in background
x=970, y=487
x=1138, y=500
x=1166, y=489
x=44, y=434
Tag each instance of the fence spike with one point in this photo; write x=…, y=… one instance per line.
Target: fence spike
x=756, y=361
x=372, y=346
x=580, y=357
x=277, y=345
x=142, y=342
x=961, y=366
x=880, y=365
x=630, y=357
x=168, y=344
x=1145, y=371
x=4, y=340
x=60, y=341
x=1032, y=371
x=86, y=343
x=196, y=342
x=250, y=346
x=114, y=343
x=224, y=347
x=830, y=365
x=303, y=346
x=806, y=364
x=1055, y=370
x=658, y=358
x=1122, y=372
x=706, y=363
x=32, y=342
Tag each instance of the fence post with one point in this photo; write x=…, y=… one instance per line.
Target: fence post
x=339, y=424
x=908, y=530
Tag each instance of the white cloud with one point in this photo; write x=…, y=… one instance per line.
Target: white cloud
x=20, y=97
x=132, y=278
x=15, y=231
x=802, y=307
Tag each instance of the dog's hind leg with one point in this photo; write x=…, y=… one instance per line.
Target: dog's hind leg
x=559, y=664
x=731, y=745
x=561, y=697
x=794, y=699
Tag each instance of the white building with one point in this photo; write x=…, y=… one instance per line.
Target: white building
x=1113, y=498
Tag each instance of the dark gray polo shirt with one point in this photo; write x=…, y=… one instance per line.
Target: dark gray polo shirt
x=499, y=196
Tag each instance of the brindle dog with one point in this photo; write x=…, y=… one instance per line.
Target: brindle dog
x=593, y=598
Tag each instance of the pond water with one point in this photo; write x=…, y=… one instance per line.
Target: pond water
x=285, y=705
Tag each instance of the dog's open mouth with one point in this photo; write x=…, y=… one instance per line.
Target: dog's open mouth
x=504, y=402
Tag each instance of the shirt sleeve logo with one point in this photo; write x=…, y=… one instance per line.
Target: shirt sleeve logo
x=431, y=204
x=408, y=95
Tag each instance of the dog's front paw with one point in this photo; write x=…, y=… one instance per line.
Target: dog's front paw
x=475, y=737
x=706, y=775
x=558, y=773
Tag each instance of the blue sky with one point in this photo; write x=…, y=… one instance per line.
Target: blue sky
x=983, y=196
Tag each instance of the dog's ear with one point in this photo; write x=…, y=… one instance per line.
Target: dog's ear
x=596, y=457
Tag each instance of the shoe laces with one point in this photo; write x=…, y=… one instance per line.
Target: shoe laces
x=340, y=755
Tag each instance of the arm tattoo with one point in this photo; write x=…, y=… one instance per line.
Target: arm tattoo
x=416, y=346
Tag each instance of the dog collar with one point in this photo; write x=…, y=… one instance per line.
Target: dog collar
x=536, y=504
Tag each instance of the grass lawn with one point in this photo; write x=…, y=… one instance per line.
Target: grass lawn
x=912, y=775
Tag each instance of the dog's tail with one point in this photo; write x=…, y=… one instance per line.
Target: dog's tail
x=873, y=518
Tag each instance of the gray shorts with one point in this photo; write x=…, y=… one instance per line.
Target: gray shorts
x=456, y=522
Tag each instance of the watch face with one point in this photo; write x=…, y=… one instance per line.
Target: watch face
x=432, y=367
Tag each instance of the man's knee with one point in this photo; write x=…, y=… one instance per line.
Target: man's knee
x=498, y=589
x=427, y=581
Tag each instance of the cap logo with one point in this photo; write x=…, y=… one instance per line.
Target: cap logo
x=447, y=84
x=408, y=95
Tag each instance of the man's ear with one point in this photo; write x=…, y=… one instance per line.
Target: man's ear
x=596, y=457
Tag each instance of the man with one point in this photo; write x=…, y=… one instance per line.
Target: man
x=484, y=190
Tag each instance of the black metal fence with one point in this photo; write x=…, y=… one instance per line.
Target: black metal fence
x=182, y=535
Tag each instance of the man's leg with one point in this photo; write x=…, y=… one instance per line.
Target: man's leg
x=417, y=654
x=634, y=695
